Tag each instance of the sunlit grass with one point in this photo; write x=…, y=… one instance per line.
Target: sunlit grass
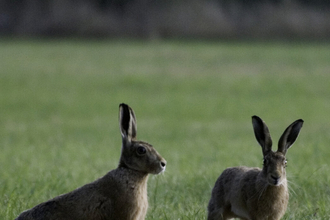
x=193, y=101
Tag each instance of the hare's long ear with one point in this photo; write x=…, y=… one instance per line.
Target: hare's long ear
x=127, y=122
x=289, y=136
x=262, y=134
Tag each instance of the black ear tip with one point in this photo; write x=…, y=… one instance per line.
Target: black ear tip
x=256, y=118
x=123, y=105
x=298, y=122
x=125, y=108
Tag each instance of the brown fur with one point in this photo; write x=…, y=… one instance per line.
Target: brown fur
x=253, y=193
x=120, y=194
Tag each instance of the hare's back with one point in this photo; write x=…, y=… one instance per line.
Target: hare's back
x=48, y=210
x=234, y=173
x=233, y=177
x=231, y=184
x=228, y=188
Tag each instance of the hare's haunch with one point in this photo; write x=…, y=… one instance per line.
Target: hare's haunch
x=253, y=193
x=120, y=194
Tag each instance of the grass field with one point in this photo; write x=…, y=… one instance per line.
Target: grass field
x=193, y=100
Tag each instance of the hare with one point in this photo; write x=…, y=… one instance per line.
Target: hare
x=254, y=193
x=120, y=194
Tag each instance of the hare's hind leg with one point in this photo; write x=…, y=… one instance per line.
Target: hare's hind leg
x=215, y=213
x=215, y=216
x=222, y=213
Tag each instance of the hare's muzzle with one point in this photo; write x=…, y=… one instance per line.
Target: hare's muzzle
x=274, y=180
x=162, y=166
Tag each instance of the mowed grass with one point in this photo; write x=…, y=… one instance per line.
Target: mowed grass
x=193, y=101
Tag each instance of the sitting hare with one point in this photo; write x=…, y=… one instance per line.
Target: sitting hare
x=119, y=195
x=253, y=193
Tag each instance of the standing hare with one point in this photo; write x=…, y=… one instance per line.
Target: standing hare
x=253, y=193
x=119, y=195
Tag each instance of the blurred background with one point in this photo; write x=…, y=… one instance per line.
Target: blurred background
x=65, y=65
x=158, y=19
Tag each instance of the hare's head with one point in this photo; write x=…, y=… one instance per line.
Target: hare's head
x=137, y=155
x=275, y=162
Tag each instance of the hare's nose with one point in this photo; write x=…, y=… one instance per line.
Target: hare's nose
x=163, y=163
x=275, y=178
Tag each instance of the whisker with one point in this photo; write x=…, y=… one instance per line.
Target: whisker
x=262, y=191
x=291, y=190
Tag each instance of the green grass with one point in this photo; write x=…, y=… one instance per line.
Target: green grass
x=193, y=100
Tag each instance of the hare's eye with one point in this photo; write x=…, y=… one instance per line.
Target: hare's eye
x=285, y=163
x=141, y=150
